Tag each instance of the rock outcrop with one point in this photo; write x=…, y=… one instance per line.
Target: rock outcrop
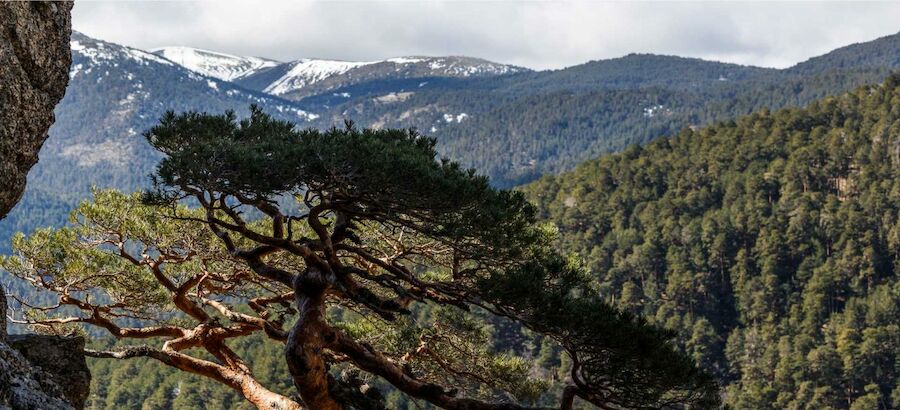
x=34, y=72
x=24, y=386
x=60, y=357
x=36, y=372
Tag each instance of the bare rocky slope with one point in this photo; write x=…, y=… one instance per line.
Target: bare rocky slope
x=36, y=372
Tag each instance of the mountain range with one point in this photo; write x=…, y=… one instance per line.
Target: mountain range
x=298, y=79
x=508, y=122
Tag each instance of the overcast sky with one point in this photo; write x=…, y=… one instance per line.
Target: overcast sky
x=538, y=35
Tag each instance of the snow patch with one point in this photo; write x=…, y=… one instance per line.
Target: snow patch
x=653, y=110
x=450, y=118
x=214, y=64
x=307, y=72
x=100, y=52
x=393, y=97
x=74, y=71
x=405, y=60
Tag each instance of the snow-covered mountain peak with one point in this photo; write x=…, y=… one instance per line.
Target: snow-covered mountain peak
x=214, y=64
x=304, y=77
x=305, y=72
x=298, y=77
x=97, y=52
x=138, y=81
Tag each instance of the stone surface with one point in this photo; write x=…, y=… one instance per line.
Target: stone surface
x=26, y=387
x=34, y=72
x=62, y=358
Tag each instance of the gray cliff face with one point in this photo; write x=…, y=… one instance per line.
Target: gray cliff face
x=36, y=372
x=26, y=387
x=60, y=357
x=34, y=72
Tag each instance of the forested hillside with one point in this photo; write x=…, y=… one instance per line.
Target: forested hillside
x=515, y=128
x=771, y=243
x=516, y=139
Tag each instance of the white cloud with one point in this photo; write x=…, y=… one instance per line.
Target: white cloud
x=533, y=34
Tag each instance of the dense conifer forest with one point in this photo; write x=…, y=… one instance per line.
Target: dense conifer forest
x=771, y=243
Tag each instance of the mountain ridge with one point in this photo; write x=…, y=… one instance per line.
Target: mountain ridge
x=870, y=53
x=215, y=64
x=303, y=77
x=512, y=127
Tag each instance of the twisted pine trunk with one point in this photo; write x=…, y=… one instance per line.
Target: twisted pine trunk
x=307, y=341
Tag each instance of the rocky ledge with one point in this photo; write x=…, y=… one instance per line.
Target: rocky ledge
x=60, y=357
x=24, y=386
x=41, y=372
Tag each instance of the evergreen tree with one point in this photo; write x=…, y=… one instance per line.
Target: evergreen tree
x=384, y=271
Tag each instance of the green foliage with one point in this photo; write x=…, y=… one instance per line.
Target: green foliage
x=124, y=268
x=454, y=348
x=769, y=243
x=86, y=256
x=569, y=307
x=389, y=177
